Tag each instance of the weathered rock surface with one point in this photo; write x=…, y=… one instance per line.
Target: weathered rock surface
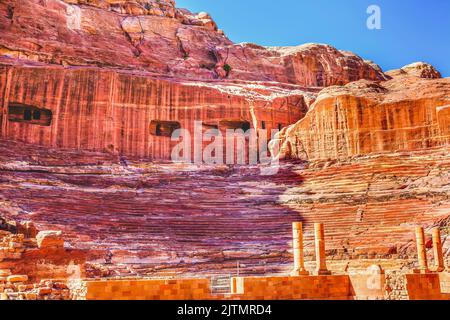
x=124, y=34
x=364, y=117
x=167, y=219
x=101, y=109
x=312, y=65
x=91, y=69
x=417, y=69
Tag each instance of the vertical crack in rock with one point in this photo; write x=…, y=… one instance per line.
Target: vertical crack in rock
x=184, y=52
x=134, y=33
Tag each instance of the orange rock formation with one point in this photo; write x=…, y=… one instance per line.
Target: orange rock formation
x=110, y=111
x=86, y=102
x=405, y=113
x=114, y=90
x=124, y=34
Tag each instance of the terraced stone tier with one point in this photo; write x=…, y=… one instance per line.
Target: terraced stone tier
x=165, y=219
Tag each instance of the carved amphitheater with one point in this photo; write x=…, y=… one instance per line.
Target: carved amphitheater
x=91, y=207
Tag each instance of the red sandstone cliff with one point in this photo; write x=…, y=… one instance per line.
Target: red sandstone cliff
x=102, y=72
x=155, y=36
x=409, y=112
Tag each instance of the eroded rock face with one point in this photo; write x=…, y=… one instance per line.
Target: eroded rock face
x=50, y=239
x=95, y=78
x=417, y=69
x=363, y=117
x=124, y=34
x=310, y=65
x=91, y=72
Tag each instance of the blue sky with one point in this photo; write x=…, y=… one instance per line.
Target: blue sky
x=412, y=30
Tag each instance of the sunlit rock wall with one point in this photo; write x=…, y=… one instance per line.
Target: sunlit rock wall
x=156, y=37
x=103, y=110
x=364, y=117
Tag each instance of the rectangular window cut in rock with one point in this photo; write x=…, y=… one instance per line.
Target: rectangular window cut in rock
x=234, y=125
x=162, y=128
x=18, y=112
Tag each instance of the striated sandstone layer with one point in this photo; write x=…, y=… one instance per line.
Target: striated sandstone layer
x=101, y=109
x=363, y=117
x=167, y=219
x=313, y=65
x=86, y=75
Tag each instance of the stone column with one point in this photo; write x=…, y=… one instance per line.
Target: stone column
x=437, y=250
x=297, y=247
x=321, y=264
x=421, y=250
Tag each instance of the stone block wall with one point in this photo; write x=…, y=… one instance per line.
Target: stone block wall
x=335, y=287
x=251, y=288
x=292, y=288
x=26, y=263
x=180, y=289
x=424, y=287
